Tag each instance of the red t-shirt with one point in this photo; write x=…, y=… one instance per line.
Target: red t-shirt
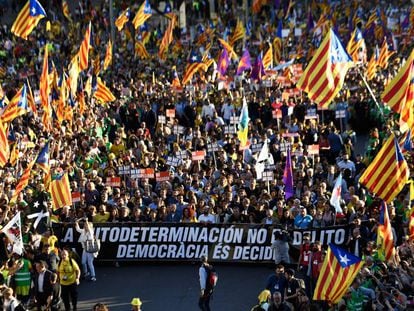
x=305, y=252
x=316, y=260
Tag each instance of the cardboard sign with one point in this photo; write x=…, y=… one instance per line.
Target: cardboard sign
x=173, y=161
x=277, y=114
x=124, y=170
x=198, y=155
x=229, y=130
x=161, y=119
x=170, y=113
x=213, y=147
x=313, y=149
x=76, y=197
x=290, y=135
x=113, y=181
x=234, y=120
x=178, y=129
x=267, y=176
x=146, y=173
x=162, y=176
x=340, y=114
x=256, y=147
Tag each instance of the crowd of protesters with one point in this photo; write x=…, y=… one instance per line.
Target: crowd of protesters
x=222, y=188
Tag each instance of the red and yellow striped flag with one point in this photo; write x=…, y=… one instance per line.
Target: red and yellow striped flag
x=143, y=14
x=28, y=18
x=122, y=19
x=384, y=55
x=23, y=182
x=108, y=55
x=45, y=90
x=141, y=51
x=387, y=173
x=355, y=44
x=324, y=77
x=17, y=107
x=239, y=32
x=81, y=101
x=30, y=99
x=399, y=93
x=167, y=38
x=61, y=192
x=14, y=154
x=411, y=225
x=66, y=10
x=277, y=50
x=103, y=93
x=372, y=65
x=229, y=48
x=338, y=271
x=4, y=145
x=385, y=239
x=268, y=58
x=194, y=64
x=84, y=49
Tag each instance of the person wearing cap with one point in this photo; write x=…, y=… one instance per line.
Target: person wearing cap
x=136, y=304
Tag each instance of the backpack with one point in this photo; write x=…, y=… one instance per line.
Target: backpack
x=212, y=277
x=301, y=283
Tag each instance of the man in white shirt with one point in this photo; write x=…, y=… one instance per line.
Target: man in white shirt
x=345, y=163
x=208, y=110
x=206, y=217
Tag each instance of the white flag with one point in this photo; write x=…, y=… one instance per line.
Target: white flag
x=259, y=168
x=336, y=195
x=264, y=152
x=13, y=231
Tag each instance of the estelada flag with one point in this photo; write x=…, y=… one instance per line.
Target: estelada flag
x=60, y=191
x=338, y=271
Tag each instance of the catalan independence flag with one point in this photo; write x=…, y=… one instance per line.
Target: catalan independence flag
x=60, y=191
x=65, y=10
x=355, y=45
x=324, y=76
x=18, y=106
x=42, y=159
x=108, y=55
x=4, y=145
x=338, y=271
x=399, y=93
x=168, y=12
x=238, y=34
x=167, y=38
x=243, y=126
x=143, y=14
x=268, y=58
x=387, y=173
x=373, y=64
x=141, y=51
x=229, y=48
x=385, y=54
x=122, y=19
x=194, y=64
x=23, y=182
x=244, y=63
x=28, y=18
x=277, y=44
x=44, y=84
x=385, y=239
x=103, y=93
x=84, y=49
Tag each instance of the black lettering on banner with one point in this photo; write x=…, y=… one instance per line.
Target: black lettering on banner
x=181, y=242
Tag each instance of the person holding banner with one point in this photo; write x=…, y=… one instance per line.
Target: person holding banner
x=90, y=251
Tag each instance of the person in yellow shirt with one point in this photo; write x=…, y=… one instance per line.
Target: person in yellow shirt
x=69, y=274
x=102, y=215
x=118, y=147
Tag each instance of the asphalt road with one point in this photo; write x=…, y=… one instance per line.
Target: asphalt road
x=172, y=287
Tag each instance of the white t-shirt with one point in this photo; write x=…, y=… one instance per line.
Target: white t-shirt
x=207, y=218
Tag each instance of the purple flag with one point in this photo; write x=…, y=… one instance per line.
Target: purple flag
x=223, y=63
x=288, y=176
x=258, y=69
x=244, y=63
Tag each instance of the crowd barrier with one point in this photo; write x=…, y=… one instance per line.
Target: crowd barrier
x=188, y=242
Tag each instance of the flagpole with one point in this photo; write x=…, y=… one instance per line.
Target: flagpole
x=370, y=92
